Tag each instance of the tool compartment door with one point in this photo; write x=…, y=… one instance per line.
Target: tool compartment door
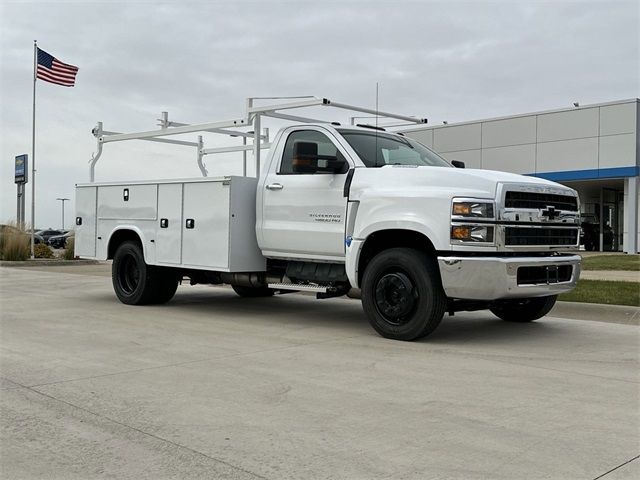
x=128, y=202
x=85, y=236
x=205, y=225
x=169, y=224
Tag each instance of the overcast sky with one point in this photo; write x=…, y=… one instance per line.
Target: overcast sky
x=452, y=61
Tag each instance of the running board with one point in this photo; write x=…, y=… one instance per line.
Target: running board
x=297, y=286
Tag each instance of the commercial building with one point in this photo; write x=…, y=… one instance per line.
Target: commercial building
x=594, y=149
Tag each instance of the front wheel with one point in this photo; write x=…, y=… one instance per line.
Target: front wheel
x=402, y=294
x=524, y=309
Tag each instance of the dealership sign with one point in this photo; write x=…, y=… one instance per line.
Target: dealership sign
x=22, y=168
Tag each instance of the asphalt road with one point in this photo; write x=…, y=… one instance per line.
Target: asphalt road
x=214, y=386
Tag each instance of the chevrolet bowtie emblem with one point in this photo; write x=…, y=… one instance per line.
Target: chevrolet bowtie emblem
x=550, y=212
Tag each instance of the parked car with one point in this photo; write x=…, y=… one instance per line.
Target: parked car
x=589, y=230
x=60, y=241
x=590, y=233
x=46, y=234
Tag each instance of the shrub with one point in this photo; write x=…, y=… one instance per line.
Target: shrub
x=69, y=253
x=41, y=250
x=14, y=244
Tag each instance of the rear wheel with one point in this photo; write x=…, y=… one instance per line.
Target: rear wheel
x=252, y=292
x=524, y=309
x=402, y=294
x=137, y=283
x=165, y=284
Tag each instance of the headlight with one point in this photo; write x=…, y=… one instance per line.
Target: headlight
x=472, y=233
x=471, y=209
x=472, y=221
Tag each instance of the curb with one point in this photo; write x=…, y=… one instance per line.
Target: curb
x=611, y=275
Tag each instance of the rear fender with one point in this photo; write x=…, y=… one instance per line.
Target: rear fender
x=123, y=233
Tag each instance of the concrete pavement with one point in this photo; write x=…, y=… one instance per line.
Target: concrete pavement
x=215, y=386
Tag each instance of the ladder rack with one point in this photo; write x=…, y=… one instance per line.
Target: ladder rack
x=252, y=118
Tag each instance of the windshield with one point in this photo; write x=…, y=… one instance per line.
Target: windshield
x=380, y=149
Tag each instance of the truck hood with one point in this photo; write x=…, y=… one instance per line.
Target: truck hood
x=455, y=181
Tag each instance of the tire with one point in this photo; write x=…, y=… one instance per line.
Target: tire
x=137, y=283
x=402, y=294
x=252, y=292
x=524, y=309
x=165, y=284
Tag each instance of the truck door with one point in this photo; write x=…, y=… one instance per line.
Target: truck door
x=304, y=208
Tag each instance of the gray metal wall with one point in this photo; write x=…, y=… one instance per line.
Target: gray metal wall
x=595, y=137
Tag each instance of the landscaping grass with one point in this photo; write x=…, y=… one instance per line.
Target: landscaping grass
x=69, y=253
x=600, y=291
x=612, y=262
x=14, y=243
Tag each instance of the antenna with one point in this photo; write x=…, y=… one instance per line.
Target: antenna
x=375, y=153
x=376, y=104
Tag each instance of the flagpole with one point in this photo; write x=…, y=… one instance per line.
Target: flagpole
x=33, y=152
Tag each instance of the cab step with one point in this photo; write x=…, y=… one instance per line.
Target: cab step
x=298, y=287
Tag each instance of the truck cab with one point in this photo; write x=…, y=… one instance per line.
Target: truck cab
x=343, y=208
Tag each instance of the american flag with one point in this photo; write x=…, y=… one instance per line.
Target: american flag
x=52, y=70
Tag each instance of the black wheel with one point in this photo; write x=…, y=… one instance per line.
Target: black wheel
x=252, y=292
x=165, y=282
x=137, y=283
x=524, y=309
x=402, y=294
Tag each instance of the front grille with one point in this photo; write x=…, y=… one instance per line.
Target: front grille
x=541, y=236
x=532, y=200
x=544, y=274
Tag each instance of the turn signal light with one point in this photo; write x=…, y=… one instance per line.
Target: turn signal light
x=460, y=233
x=472, y=233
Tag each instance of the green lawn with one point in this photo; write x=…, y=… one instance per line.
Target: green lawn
x=612, y=262
x=600, y=291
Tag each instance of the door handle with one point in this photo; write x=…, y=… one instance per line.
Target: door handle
x=274, y=186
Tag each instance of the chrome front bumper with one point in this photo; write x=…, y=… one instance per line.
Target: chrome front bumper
x=492, y=278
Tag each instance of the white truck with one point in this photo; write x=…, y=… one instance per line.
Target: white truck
x=334, y=208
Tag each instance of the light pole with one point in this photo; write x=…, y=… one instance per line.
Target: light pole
x=62, y=200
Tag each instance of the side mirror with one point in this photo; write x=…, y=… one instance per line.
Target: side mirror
x=457, y=163
x=331, y=164
x=307, y=160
